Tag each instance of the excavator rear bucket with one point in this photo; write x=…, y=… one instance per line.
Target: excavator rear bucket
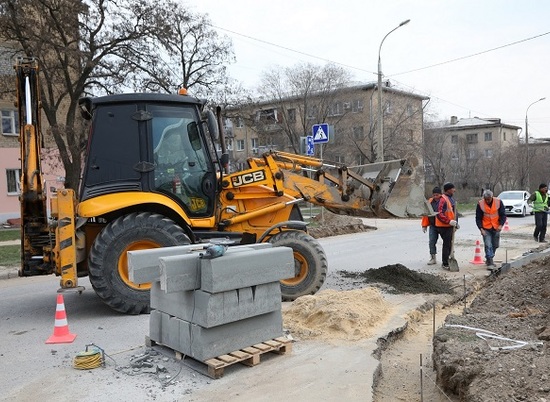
x=395, y=189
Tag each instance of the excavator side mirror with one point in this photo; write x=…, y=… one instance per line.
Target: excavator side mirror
x=193, y=134
x=224, y=159
x=212, y=124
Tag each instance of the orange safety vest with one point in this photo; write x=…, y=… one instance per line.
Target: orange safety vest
x=449, y=213
x=490, y=214
x=425, y=221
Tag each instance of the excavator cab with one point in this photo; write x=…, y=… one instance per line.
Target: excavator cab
x=139, y=144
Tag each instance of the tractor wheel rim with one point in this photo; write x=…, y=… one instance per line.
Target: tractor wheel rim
x=123, y=263
x=300, y=261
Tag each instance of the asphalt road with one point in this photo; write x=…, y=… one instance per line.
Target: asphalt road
x=33, y=370
x=402, y=241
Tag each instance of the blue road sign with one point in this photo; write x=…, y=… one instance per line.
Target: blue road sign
x=320, y=133
x=310, y=151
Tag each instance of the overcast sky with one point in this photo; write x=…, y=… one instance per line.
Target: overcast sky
x=508, y=41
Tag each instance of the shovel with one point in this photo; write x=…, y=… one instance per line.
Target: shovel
x=453, y=263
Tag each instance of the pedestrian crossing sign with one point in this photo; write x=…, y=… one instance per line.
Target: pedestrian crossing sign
x=320, y=133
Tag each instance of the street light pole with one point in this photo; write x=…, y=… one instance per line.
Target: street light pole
x=527, y=141
x=379, y=149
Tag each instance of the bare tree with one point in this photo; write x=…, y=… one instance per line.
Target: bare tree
x=302, y=95
x=101, y=46
x=196, y=56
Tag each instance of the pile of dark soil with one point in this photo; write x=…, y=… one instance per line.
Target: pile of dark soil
x=511, y=362
x=400, y=279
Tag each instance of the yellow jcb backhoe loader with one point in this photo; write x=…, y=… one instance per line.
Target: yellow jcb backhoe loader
x=153, y=178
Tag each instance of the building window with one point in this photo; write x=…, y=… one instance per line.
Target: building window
x=268, y=116
x=410, y=110
x=240, y=145
x=13, y=177
x=254, y=142
x=388, y=109
x=239, y=122
x=358, y=133
x=454, y=139
x=357, y=106
x=229, y=144
x=488, y=153
x=454, y=155
x=340, y=158
x=471, y=138
x=312, y=113
x=291, y=115
x=489, y=136
x=9, y=122
x=471, y=154
x=504, y=136
x=336, y=109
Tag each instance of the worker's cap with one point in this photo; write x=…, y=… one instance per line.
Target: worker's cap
x=436, y=190
x=448, y=186
x=487, y=194
x=542, y=185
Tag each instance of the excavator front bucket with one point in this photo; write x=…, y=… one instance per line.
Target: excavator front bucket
x=394, y=188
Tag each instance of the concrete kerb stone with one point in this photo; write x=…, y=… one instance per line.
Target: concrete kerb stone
x=205, y=343
x=231, y=271
x=210, y=310
x=144, y=265
x=8, y=273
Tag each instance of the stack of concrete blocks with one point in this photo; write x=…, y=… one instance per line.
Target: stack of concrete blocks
x=206, y=308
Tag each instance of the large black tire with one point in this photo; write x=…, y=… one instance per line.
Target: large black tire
x=108, y=262
x=310, y=264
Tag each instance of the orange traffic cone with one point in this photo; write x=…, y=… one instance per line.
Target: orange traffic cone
x=506, y=228
x=61, y=332
x=477, y=255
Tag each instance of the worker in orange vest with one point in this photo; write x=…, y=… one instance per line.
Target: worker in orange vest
x=428, y=225
x=446, y=221
x=490, y=218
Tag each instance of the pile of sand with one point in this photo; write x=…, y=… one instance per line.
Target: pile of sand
x=348, y=315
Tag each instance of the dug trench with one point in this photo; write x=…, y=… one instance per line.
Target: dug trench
x=487, y=341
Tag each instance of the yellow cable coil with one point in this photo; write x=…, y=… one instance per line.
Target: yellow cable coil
x=90, y=359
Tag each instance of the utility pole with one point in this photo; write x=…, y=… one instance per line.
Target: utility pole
x=527, y=143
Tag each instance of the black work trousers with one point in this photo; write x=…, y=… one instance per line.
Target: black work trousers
x=446, y=234
x=541, y=220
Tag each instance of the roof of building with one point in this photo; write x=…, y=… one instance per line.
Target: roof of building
x=352, y=87
x=473, y=122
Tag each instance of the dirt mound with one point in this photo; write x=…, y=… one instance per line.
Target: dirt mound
x=497, y=350
x=349, y=315
x=330, y=224
x=354, y=314
x=400, y=279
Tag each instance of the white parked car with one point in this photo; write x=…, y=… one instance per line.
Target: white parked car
x=515, y=202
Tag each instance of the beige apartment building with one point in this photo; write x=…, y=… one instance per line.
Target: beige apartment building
x=351, y=113
x=474, y=154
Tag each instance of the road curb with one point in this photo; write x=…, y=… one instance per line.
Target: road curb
x=8, y=273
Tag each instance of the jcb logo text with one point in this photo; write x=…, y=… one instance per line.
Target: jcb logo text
x=248, y=178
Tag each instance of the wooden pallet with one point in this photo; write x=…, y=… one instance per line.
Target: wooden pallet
x=249, y=356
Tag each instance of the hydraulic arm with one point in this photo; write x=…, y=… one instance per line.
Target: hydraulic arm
x=385, y=189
